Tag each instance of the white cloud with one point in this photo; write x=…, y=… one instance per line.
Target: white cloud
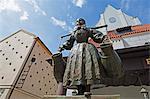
x=10, y=5
x=60, y=23
x=125, y=4
x=79, y=3
x=13, y=5
x=24, y=16
x=36, y=7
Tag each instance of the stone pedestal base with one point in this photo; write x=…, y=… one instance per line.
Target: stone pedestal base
x=82, y=97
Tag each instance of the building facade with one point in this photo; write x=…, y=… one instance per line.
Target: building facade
x=131, y=40
x=24, y=71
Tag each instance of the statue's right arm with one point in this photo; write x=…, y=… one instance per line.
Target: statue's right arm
x=68, y=44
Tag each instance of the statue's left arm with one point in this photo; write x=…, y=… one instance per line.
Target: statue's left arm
x=97, y=36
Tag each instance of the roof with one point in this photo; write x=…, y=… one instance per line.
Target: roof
x=133, y=49
x=135, y=30
x=29, y=33
x=34, y=36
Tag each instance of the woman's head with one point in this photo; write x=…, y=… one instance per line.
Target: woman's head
x=80, y=22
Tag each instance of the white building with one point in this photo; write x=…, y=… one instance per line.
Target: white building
x=131, y=39
x=136, y=36
x=124, y=30
x=115, y=18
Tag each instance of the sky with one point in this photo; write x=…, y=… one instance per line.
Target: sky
x=50, y=19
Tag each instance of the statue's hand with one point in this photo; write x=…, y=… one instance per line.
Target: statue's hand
x=60, y=49
x=106, y=39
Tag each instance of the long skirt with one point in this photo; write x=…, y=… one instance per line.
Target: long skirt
x=83, y=67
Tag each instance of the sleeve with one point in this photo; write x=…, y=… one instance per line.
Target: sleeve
x=68, y=44
x=97, y=36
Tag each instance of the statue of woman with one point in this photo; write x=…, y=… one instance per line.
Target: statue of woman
x=83, y=67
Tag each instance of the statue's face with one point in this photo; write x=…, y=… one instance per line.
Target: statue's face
x=77, y=23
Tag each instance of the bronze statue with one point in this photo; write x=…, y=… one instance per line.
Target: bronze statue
x=84, y=66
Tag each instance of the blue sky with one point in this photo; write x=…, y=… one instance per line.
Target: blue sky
x=50, y=19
